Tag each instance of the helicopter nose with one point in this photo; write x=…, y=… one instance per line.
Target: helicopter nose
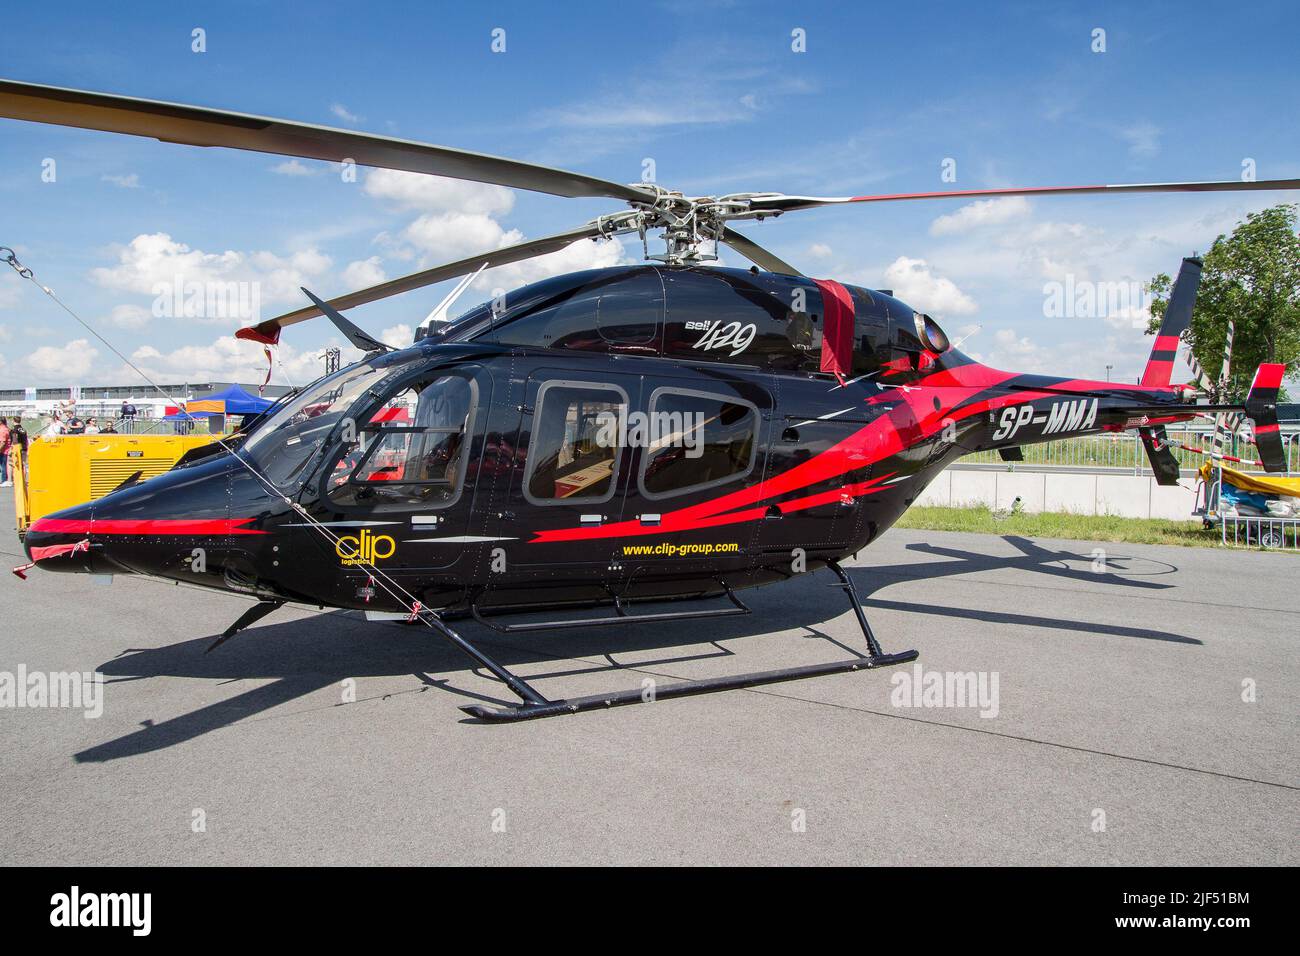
x=149, y=528
x=61, y=542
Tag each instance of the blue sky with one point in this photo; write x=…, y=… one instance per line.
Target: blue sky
x=712, y=92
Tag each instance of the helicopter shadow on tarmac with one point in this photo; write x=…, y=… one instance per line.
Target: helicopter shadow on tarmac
x=298, y=658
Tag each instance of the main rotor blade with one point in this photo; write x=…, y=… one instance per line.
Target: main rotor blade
x=757, y=254
x=270, y=329
x=199, y=126
x=781, y=203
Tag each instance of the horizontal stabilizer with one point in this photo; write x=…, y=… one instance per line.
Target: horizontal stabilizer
x=1261, y=408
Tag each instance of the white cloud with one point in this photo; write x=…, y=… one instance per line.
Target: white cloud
x=343, y=113
x=1009, y=343
x=583, y=254
x=1143, y=139
x=913, y=281
x=435, y=194
x=459, y=219
x=228, y=359
x=49, y=364
x=985, y=212
x=1130, y=317
x=819, y=250
x=293, y=167
x=129, y=316
x=647, y=110
x=130, y=181
x=5, y=334
x=1014, y=352
x=738, y=87
x=1025, y=248
x=364, y=273
x=398, y=336
x=455, y=235
x=11, y=288
x=152, y=264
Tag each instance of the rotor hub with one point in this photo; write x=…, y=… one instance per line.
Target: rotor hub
x=691, y=226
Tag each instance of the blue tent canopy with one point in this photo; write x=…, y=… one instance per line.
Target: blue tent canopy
x=240, y=402
x=229, y=401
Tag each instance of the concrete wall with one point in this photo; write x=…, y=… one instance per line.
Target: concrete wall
x=1129, y=496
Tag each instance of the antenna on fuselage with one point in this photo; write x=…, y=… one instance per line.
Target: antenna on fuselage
x=439, y=315
x=958, y=343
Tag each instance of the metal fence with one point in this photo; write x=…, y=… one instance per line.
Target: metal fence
x=1124, y=452
x=131, y=426
x=1274, y=532
x=1250, y=531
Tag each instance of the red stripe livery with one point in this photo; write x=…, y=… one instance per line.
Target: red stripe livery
x=211, y=527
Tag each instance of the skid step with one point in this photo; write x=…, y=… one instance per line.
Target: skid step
x=622, y=618
x=553, y=708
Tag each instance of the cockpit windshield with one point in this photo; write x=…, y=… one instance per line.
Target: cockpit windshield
x=281, y=447
x=413, y=449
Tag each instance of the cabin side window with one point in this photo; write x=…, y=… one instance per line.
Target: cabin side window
x=412, y=451
x=696, y=441
x=574, y=447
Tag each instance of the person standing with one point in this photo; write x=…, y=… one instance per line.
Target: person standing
x=6, y=441
x=91, y=427
x=55, y=428
x=18, y=440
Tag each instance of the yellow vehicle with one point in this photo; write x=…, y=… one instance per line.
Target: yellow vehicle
x=72, y=469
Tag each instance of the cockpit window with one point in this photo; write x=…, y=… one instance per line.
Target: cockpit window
x=413, y=449
x=282, y=446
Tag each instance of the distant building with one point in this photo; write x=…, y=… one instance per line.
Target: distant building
x=105, y=401
x=101, y=393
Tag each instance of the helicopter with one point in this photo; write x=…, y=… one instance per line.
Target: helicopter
x=664, y=432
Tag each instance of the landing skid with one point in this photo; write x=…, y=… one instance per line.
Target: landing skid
x=535, y=705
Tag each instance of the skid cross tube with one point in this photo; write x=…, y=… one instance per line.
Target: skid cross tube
x=535, y=705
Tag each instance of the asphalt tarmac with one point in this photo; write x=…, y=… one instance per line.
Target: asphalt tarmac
x=1141, y=714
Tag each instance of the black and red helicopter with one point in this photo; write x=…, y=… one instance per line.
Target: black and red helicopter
x=656, y=432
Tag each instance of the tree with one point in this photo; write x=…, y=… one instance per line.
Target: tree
x=1253, y=278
